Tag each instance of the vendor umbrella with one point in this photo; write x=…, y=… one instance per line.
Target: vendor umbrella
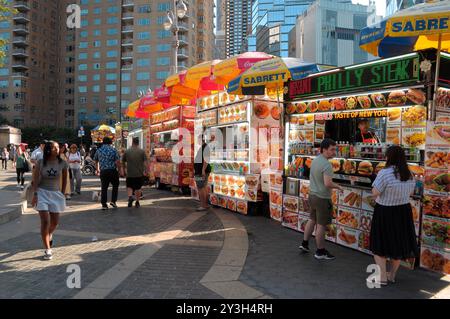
x=228, y=69
x=271, y=75
x=104, y=127
x=423, y=26
x=199, y=77
x=131, y=110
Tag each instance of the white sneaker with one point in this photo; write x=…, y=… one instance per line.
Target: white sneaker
x=48, y=254
x=21, y=188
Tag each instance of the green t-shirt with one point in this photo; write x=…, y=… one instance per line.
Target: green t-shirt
x=320, y=167
x=135, y=159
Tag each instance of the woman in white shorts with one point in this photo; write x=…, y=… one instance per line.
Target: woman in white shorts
x=49, y=179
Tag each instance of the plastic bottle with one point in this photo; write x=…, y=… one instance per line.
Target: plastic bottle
x=418, y=190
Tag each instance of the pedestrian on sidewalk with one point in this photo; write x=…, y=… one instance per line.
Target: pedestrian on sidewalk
x=49, y=182
x=13, y=155
x=321, y=207
x=202, y=169
x=74, y=160
x=134, y=164
x=38, y=153
x=5, y=158
x=21, y=165
x=82, y=153
x=63, y=153
x=392, y=234
x=108, y=164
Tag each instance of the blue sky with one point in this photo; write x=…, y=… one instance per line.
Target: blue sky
x=381, y=5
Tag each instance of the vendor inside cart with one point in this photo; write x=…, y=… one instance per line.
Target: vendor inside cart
x=364, y=134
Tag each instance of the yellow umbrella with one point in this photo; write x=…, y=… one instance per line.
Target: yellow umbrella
x=195, y=74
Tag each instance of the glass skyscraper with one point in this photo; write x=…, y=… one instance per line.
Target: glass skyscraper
x=392, y=6
x=272, y=20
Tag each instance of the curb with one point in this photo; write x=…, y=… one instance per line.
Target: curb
x=11, y=213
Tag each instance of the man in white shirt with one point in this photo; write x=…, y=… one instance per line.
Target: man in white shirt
x=38, y=154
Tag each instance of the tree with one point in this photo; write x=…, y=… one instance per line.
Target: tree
x=4, y=120
x=5, y=12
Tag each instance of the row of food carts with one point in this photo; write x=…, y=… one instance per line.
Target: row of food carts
x=262, y=146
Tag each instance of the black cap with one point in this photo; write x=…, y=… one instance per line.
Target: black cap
x=107, y=140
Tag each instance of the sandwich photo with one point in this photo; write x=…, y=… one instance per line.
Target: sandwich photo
x=261, y=110
x=324, y=105
x=397, y=98
x=364, y=102
x=241, y=207
x=251, y=181
x=290, y=108
x=338, y=104
x=349, y=167
x=336, y=164
x=393, y=136
x=291, y=203
x=378, y=100
x=416, y=96
x=379, y=167
x=440, y=133
x=301, y=107
x=365, y=168
x=312, y=107
x=319, y=135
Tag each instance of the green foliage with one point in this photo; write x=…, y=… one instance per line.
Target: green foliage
x=4, y=120
x=33, y=136
x=5, y=12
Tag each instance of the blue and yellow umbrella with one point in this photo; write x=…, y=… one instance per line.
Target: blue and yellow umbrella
x=423, y=26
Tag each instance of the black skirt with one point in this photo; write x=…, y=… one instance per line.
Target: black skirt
x=392, y=233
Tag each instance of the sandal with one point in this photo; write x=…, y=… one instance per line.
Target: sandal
x=392, y=281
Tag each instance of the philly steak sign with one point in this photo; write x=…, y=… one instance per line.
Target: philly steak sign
x=404, y=70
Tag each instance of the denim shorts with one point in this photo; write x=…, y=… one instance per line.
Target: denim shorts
x=201, y=181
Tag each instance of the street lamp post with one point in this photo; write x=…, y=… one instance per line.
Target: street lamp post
x=171, y=24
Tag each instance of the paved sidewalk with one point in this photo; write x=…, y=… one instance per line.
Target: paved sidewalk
x=166, y=249
x=12, y=206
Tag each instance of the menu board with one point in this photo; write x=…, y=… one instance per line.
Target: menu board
x=396, y=98
x=435, y=238
x=209, y=118
x=443, y=100
x=233, y=113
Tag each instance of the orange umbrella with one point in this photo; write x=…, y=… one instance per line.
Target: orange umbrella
x=131, y=110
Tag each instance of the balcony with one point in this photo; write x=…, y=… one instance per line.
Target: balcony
x=127, y=29
x=127, y=42
x=127, y=16
x=127, y=55
x=127, y=3
x=182, y=54
x=21, y=5
x=20, y=29
x=127, y=67
x=183, y=40
x=183, y=27
x=21, y=18
x=20, y=53
x=19, y=66
x=20, y=41
x=20, y=74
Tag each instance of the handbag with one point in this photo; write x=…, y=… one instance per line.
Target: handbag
x=26, y=166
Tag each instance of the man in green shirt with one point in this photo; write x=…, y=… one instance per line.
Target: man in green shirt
x=321, y=207
x=135, y=161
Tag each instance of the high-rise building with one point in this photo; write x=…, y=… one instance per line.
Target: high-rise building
x=55, y=75
x=393, y=6
x=28, y=73
x=271, y=23
x=237, y=25
x=328, y=32
x=219, y=47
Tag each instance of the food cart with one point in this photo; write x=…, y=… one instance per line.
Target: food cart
x=100, y=132
x=243, y=135
x=393, y=94
x=168, y=131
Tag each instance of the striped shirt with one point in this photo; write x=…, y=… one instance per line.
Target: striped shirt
x=393, y=191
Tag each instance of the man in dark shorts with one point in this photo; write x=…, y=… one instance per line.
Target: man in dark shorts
x=135, y=162
x=321, y=185
x=202, y=169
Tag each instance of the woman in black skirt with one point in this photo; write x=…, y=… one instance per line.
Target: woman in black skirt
x=392, y=234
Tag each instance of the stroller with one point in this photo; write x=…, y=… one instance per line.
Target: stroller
x=89, y=167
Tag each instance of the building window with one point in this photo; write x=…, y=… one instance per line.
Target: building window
x=163, y=7
x=113, y=20
x=143, y=76
x=111, y=99
x=83, y=45
x=111, y=76
x=82, y=78
x=96, y=88
x=144, y=9
x=161, y=75
x=82, y=56
x=163, y=61
x=111, y=88
x=112, y=54
x=143, y=62
x=145, y=21
x=163, y=34
x=96, y=55
x=97, y=10
x=97, y=21
x=144, y=35
x=113, y=9
x=96, y=66
x=83, y=34
x=97, y=44
x=126, y=76
x=143, y=48
x=126, y=90
x=4, y=84
x=83, y=100
x=82, y=89
x=111, y=65
x=163, y=47
x=111, y=43
x=84, y=23
x=96, y=77
x=82, y=67
x=113, y=31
